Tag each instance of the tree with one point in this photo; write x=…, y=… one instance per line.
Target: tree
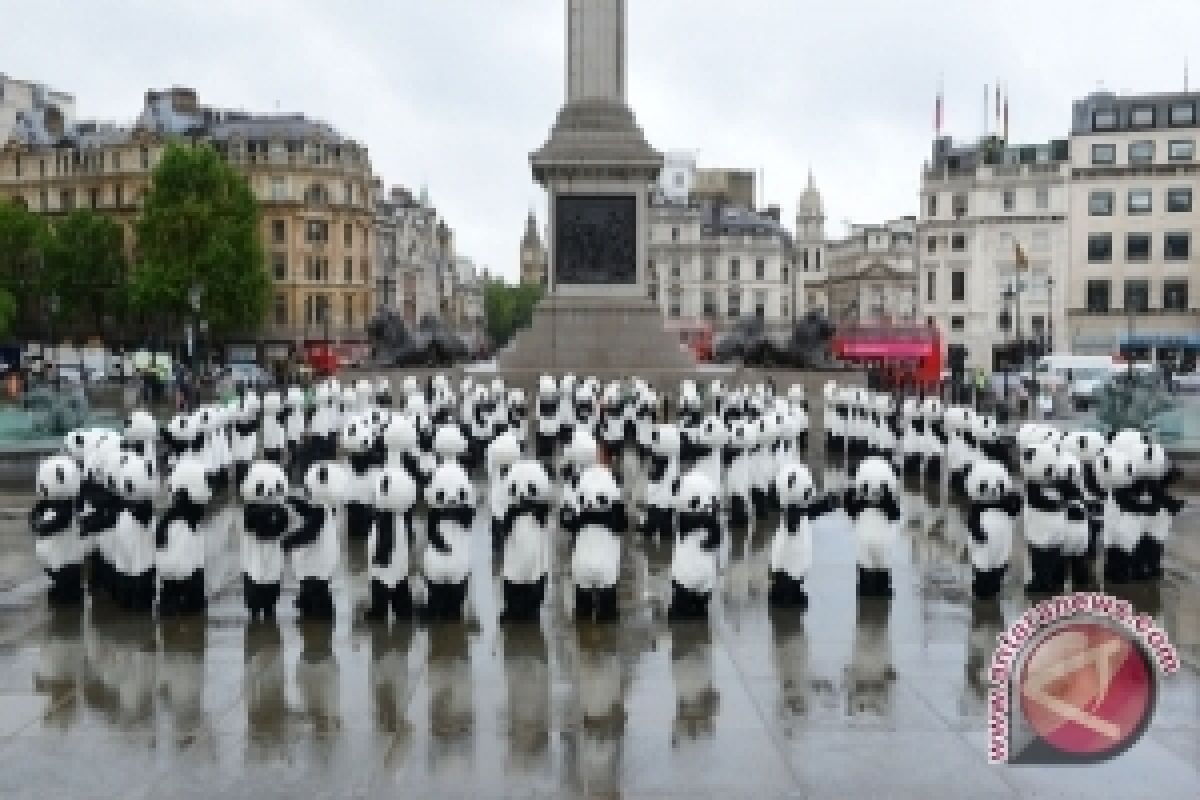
x=23, y=236
x=199, y=227
x=85, y=267
x=508, y=309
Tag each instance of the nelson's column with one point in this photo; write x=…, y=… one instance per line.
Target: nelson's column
x=598, y=170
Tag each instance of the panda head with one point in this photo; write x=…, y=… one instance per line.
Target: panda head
x=138, y=478
x=665, y=440
x=694, y=493
x=1068, y=467
x=502, y=453
x=400, y=435
x=449, y=442
x=527, y=481
x=357, y=435
x=983, y=427
x=931, y=409
x=249, y=405
x=450, y=487
x=1114, y=469
x=187, y=480
x=326, y=483
x=713, y=432
x=767, y=429
x=58, y=478
x=987, y=481
x=395, y=490
x=1085, y=445
x=77, y=443
x=794, y=484
x=582, y=451
x=265, y=482
x=873, y=477
x=1130, y=441
x=1147, y=461
x=1039, y=462
x=597, y=491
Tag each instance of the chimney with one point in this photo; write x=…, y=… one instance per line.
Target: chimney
x=774, y=213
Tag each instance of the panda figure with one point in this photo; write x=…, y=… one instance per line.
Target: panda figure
x=295, y=422
x=1125, y=511
x=872, y=503
x=960, y=450
x=100, y=504
x=141, y=431
x=525, y=541
x=738, y=462
x=451, y=446
x=451, y=501
x=133, y=536
x=390, y=544
x=502, y=453
x=1086, y=446
x=791, y=548
x=764, y=465
x=244, y=440
x=179, y=540
x=546, y=418
x=912, y=440
x=58, y=547
x=314, y=547
x=935, y=438
x=697, y=539
x=274, y=435
x=357, y=441
x=665, y=446
x=1044, y=518
x=595, y=522
x=1158, y=475
x=264, y=520
x=1077, y=542
x=992, y=509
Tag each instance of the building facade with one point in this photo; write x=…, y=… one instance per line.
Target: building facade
x=1134, y=180
x=315, y=189
x=992, y=243
x=809, y=286
x=413, y=249
x=533, y=255
x=27, y=107
x=870, y=276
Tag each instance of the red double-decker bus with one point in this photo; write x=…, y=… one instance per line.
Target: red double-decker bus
x=908, y=356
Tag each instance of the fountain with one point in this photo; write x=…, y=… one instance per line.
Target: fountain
x=35, y=426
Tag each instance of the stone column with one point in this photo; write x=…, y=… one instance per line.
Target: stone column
x=596, y=50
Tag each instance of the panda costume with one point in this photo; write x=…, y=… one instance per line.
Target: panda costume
x=357, y=441
x=935, y=438
x=547, y=418
x=992, y=510
x=141, y=431
x=1125, y=512
x=450, y=498
x=525, y=541
x=1158, y=474
x=295, y=422
x=264, y=522
x=738, y=462
x=59, y=548
x=274, y=435
x=791, y=548
x=1077, y=548
x=502, y=453
x=872, y=502
x=697, y=539
x=314, y=545
x=1044, y=518
x=179, y=539
x=390, y=544
x=595, y=521
x=665, y=447
x=244, y=439
x=99, y=507
x=133, y=537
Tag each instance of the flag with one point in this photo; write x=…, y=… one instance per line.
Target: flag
x=1022, y=261
x=1006, y=112
x=997, y=102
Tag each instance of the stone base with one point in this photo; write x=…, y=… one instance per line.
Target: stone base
x=596, y=336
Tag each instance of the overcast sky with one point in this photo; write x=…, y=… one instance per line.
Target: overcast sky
x=454, y=94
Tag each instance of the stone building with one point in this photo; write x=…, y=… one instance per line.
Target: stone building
x=414, y=246
x=315, y=188
x=986, y=208
x=869, y=276
x=33, y=108
x=810, y=249
x=1134, y=179
x=533, y=255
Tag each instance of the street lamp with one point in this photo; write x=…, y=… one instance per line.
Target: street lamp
x=1050, y=317
x=52, y=314
x=195, y=294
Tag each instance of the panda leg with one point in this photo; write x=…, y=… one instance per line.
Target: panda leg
x=884, y=582
x=240, y=470
x=196, y=600
x=584, y=603
x=606, y=605
x=168, y=598
x=250, y=596
x=510, y=593
x=271, y=593
x=401, y=600
x=458, y=600
x=537, y=597
x=1154, y=554
x=377, y=611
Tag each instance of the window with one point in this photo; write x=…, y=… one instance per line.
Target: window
x=1104, y=154
x=1098, y=296
x=783, y=275
x=734, y=308
x=1177, y=246
x=931, y=244
x=958, y=286
x=804, y=259
x=145, y=158
x=1137, y=296
x=1004, y=322
x=675, y=304
x=679, y=179
x=279, y=266
x=1009, y=199
x=710, y=304
x=1100, y=204
x=348, y=235
x=817, y=260
x=1141, y=152
x=364, y=270
x=316, y=231
x=735, y=269
x=1179, y=199
x=957, y=323
x=281, y=309
x=1175, y=295
x=44, y=199
x=1041, y=241
x=1181, y=150
x=1181, y=114
x=1041, y=197
x=94, y=198
x=348, y=270
x=1139, y=201
x=1137, y=247
x=710, y=269
x=760, y=304
x=348, y=315
x=120, y=196
x=66, y=199
x=1099, y=247
x=1142, y=117
x=674, y=234
x=278, y=231
x=652, y=293
x=1104, y=119
x=348, y=193
x=278, y=188
x=760, y=270
x=930, y=286
x=958, y=242
x=960, y=204
x=675, y=270
x=931, y=205
x=42, y=164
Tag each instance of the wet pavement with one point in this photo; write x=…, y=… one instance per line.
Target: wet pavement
x=850, y=699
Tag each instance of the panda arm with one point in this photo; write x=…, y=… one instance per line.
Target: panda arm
x=1038, y=498
x=1012, y=503
x=1089, y=481
x=160, y=530
x=312, y=517
x=44, y=518
x=728, y=455
x=432, y=534
x=890, y=506
x=385, y=544
x=852, y=504
x=620, y=521
x=1164, y=500
x=713, y=539
x=975, y=524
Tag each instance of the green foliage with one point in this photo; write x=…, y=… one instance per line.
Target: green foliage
x=508, y=309
x=199, y=226
x=23, y=237
x=8, y=311
x=85, y=266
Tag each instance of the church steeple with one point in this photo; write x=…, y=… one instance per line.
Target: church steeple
x=533, y=254
x=810, y=213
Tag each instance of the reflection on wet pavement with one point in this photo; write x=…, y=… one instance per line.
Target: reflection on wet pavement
x=851, y=698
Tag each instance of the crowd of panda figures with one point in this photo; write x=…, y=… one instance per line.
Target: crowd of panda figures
x=125, y=516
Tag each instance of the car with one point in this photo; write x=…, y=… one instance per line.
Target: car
x=431, y=344
x=251, y=375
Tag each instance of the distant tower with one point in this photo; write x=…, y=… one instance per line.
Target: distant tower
x=810, y=242
x=533, y=255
